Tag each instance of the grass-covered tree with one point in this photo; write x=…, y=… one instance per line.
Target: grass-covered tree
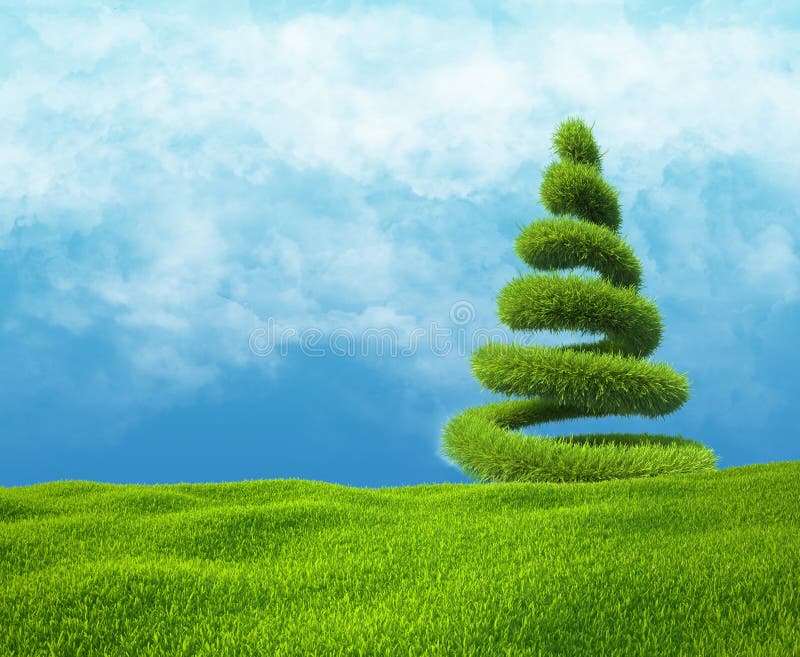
x=609, y=377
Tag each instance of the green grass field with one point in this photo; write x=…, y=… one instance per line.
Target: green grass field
x=692, y=564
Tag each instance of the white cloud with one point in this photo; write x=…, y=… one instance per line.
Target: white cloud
x=101, y=34
x=772, y=264
x=178, y=127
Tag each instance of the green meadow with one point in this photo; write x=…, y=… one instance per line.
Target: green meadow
x=691, y=564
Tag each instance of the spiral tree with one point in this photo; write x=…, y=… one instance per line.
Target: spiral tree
x=609, y=377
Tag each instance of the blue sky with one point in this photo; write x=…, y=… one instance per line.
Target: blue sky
x=176, y=177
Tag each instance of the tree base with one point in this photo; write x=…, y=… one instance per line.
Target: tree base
x=481, y=441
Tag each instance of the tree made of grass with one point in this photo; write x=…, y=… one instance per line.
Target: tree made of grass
x=608, y=377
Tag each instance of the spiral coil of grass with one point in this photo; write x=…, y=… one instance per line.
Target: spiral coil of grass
x=609, y=377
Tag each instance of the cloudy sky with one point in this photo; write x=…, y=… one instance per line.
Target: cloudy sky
x=204, y=206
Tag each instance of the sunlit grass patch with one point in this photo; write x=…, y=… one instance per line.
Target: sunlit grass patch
x=695, y=564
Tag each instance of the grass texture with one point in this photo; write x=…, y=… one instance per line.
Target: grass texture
x=702, y=564
x=608, y=377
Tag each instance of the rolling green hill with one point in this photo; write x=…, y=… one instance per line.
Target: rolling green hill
x=693, y=564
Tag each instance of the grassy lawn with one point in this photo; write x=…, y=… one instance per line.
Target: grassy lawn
x=693, y=564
